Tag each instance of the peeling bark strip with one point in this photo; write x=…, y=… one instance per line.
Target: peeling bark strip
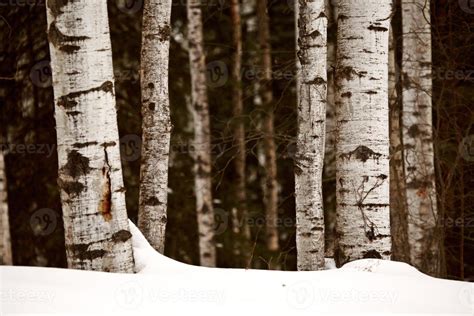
x=362, y=187
x=202, y=136
x=312, y=95
x=5, y=242
x=90, y=172
x=269, y=147
x=152, y=213
x=417, y=137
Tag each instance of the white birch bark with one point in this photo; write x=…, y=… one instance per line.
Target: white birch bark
x=418, y=135
x=363, y=219
x=5, y=242
x=269, y=147
x=311, y=35
x=96, y=228
x=156, y=30
x=202, y=135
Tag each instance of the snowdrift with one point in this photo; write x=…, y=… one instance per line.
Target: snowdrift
x=165, y=287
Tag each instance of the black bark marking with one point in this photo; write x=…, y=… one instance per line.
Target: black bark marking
x=71, y=187
x=83, y=145
x=109, y=144
x=314, y=34
x=64, y=42
x=164, y=219
x=105, y=204
x=205, y=209
x=153, y=201
x=362, y=153
x=348, y=73
x=72, y=113
x=56, y=6
x=342, y=17
x=414, y=131
x=378, y=28
x=165, y=33
x=80, y=252
x=76, y=165
x=68, y=102
x=152, y=106
x=372, y=254
x=121, y=236
x=317, y=81
x=346, y=94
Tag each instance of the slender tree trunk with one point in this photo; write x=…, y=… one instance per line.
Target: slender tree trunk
x=398, y=207
x=152, y=215
x=5, y=243
x=329, y=192
x=271, y=185
x=202, y=136
x=90, y=172
x=312, y=93
x=363, y=218
x=418, y=136
x=243, y=231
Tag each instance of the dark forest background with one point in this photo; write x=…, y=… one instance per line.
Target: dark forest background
x=28, y=127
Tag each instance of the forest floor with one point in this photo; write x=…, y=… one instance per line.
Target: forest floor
x=163, y=286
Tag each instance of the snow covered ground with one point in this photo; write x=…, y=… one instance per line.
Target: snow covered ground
x=165, y=287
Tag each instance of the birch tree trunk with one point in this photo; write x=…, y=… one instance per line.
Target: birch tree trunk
x=5, y=243
x=363, y=218
x=96, y=228
x=152, y=216
x=311, y=37
x=202, y=135
x=418, y=136
x=271, y=184
x=398, y=207
x=242, y=230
